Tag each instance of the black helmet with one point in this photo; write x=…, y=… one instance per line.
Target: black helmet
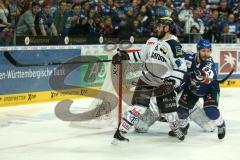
x=165, y=21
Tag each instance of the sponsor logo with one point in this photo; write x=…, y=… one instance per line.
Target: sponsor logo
x=158, y=57
x=54, y=94
x=150, y=43
x=125, y=125
x=31, y=97
x=228, y=60
x=178, y=50
x=14, y=98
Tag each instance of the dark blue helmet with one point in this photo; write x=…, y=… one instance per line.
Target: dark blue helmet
x=203, y=43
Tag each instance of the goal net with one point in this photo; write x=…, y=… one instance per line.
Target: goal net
x=113, y=98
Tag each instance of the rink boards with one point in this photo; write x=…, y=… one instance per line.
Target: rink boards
x=20, y=85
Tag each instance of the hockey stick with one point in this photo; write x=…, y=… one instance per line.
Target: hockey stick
x=13, y=61
x=224, y=79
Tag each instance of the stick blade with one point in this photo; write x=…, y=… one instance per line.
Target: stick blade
x=9, y=57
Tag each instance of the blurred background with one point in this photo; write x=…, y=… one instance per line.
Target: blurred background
x=80, y=21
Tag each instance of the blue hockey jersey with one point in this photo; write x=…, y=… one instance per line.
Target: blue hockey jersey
x=197, y=87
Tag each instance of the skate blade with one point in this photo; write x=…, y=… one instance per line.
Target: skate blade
x=117, y=142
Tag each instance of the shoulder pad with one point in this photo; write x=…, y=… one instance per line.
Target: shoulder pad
x=176, y=47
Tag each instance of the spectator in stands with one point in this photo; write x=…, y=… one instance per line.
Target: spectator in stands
x=108, y=27
x=194, y=22
x=92, y=27
x=75, y=20
x=185, y=12
x=238, y=34
x=223, y=10
x=236, y=9
x=178, y=29
x=135, y=7
x=44, y=21
x=232, y=3
x=69, y=4
x=5, y=25
x=204, y=10
x=169, y=6
x=214, y=27
x=150, y=28
x=233, y=25
x=118, y=15
x=4, y=14
x=26, y=26
x=213, y=2
x=225, y=36
x=161, y=10
x=60, y=18
x=14, y=12
x=25, y=5
x=69, y=17
x=107, y=8
x=150, y=8
x=177, y=3
x=54, y=5
x=86, y=7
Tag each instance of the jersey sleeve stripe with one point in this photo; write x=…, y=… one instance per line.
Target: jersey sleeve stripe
x=138, y=55
x=178, y=70
x=134, y=56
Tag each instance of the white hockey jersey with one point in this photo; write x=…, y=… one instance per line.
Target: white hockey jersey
x=162, y=60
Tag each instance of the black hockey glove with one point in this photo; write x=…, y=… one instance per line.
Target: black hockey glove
x=121, y=55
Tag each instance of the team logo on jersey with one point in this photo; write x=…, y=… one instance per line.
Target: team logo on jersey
x=163, y=49
x=178, y=62
x=228, y=60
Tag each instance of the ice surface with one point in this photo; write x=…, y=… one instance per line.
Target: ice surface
x=33, y=132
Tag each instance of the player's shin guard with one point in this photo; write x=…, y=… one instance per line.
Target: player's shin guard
x=213, y=113
x=129, y=119
x=150, y=116
x=198, y=116
x=174, y=124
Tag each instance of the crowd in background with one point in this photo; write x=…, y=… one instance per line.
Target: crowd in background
x=216, y=20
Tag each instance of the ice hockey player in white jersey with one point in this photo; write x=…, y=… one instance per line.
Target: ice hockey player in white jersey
x=163, y=70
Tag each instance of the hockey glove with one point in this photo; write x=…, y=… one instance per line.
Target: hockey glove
x=176, y=82
x=205, y=75
x=119, y=56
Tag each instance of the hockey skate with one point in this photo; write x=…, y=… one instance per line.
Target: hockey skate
x=221, y=131
x=179, y=134
x=183, y=129
x=118, y=137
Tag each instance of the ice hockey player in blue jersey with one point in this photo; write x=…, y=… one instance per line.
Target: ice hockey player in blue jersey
x=163, y=69
x=199, y=83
